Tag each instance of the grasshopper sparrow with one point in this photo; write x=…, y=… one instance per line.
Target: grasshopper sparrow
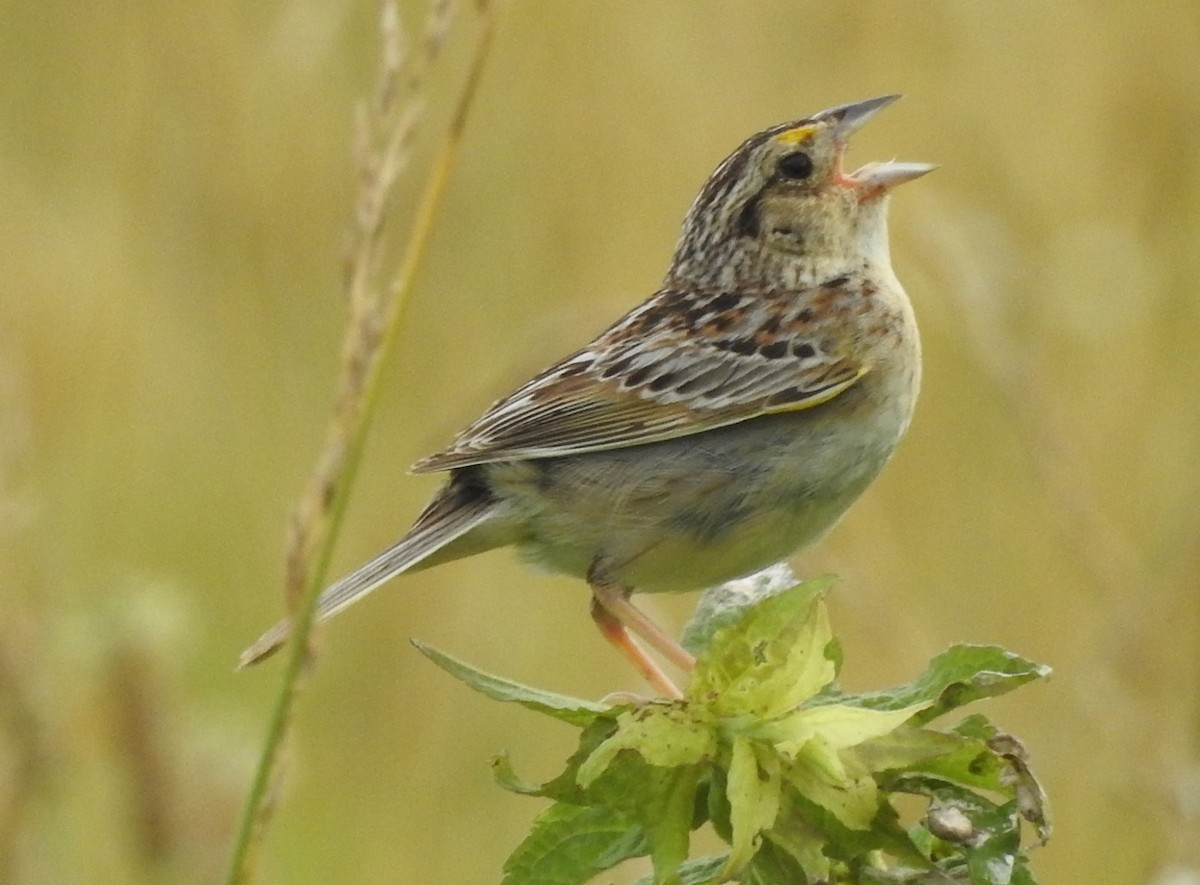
x=717, y=428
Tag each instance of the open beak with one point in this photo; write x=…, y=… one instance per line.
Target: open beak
x=876, y=179
x=851, y=117
x=873, y=179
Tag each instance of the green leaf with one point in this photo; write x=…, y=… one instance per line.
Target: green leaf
x=956, y=758
x=906, y=748
x=973, y=765
x=837, y=726
x=665, y=735
x=506, y=777
x=793, y=837
x=570, y=844
x=1021, y=874
x=976, y=726
x=700, y=871
x=852, y=798
x=992, y=859
x=662, y=800
x=815, y=836
x=998, y=764
x=753, y=789
x=561, y=707
x=565, y=787
x=727, y=603
x=798, y=777
x=773, y=865
x=960, y=675
x=991, y=844
x=770, y=661
x=667, y=812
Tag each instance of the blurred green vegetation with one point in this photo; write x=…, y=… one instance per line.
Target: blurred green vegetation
x=174, y=188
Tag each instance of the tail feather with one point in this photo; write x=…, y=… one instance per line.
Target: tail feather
x=457, y=509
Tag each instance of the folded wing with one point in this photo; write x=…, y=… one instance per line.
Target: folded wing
x=643, y=382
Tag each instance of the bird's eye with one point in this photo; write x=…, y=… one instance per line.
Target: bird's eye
x=796, y=166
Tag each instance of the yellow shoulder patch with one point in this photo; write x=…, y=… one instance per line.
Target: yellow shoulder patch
x=808, y=399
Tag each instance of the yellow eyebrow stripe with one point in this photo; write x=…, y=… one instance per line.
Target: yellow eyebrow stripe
x=797, y=135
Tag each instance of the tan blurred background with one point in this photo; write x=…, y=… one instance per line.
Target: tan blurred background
x=175, y=186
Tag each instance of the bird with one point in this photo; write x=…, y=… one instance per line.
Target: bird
x=719, y=427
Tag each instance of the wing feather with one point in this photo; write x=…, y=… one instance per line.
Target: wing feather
x=640, y=383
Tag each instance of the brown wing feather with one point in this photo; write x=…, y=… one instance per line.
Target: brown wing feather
x=651, y=377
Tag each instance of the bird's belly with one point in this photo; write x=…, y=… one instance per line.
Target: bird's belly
x=695, y=511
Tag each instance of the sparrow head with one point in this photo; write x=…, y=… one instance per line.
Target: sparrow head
x=784, y=192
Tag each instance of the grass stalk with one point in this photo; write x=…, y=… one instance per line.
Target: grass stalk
x=375, y=318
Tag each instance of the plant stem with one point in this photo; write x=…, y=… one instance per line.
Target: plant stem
x=258, y=807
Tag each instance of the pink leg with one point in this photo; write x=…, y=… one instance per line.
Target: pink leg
x=614, y=631
x=616, y=600
x=621, y=616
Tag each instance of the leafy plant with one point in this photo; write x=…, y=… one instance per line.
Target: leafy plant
x=800, y=779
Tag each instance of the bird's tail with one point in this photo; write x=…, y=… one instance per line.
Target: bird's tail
x=459, y=507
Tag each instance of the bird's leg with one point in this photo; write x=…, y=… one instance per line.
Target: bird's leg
x=614, y=600
x=614, y=631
